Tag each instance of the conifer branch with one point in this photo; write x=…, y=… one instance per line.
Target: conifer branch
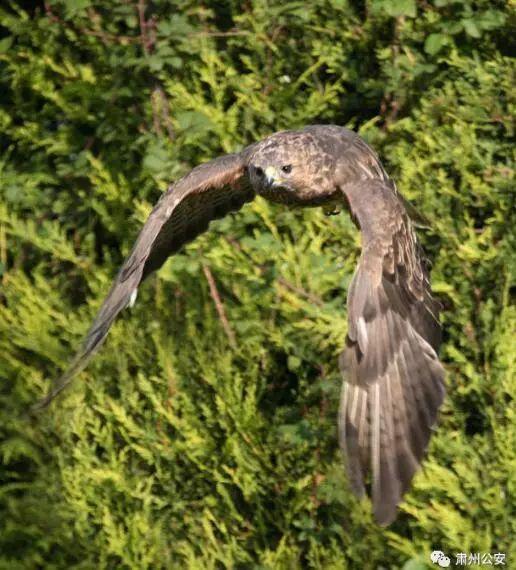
x=219, y=306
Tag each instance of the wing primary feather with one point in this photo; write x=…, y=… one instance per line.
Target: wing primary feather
x=209, y=191
x=390, y=353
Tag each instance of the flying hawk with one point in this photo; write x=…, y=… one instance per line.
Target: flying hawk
x=393, y=380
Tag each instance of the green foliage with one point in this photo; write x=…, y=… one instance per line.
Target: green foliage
x=174, y=449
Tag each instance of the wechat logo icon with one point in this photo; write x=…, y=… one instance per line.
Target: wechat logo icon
x=439, y=557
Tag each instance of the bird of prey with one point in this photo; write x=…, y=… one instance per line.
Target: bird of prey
x=393, y=380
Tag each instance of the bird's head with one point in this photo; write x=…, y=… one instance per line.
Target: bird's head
x=271, y=177
x=288, y=168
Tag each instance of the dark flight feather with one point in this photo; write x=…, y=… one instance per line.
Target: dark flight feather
x=393, y=379
x=208, y=192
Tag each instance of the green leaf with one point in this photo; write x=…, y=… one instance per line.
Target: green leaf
x=396, y=8
x=435, y=42
x=6, y=43
x=194, y=122
x=293, y=362
x=75, y=7
x=156, y=158
x=471, y=28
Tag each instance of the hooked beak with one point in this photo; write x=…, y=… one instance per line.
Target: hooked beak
x=271, y=175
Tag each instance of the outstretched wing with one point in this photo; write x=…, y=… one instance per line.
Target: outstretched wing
x=394, y=382
x=208, y=192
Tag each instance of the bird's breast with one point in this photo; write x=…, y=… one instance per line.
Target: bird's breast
x=306, y=197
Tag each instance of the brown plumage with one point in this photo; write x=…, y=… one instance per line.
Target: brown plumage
x=393, y=380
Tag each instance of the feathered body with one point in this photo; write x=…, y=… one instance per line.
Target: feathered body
x=393, y=380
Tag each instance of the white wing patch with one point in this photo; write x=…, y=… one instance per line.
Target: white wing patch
x=362, y=335
x=132, y=298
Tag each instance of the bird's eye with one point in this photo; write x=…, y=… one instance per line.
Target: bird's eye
x=286, y=168
x=258, y=171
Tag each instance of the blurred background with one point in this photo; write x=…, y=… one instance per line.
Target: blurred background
x=175, y=449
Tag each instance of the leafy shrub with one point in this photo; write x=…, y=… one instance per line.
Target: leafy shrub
x=175, y=449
